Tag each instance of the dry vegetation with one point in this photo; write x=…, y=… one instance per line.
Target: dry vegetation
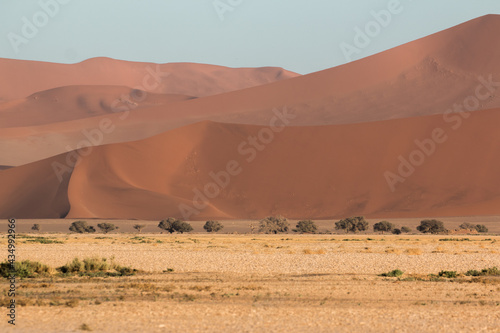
x=262, y=283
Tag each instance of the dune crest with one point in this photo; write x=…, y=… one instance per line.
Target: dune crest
x=21, y=78
x=427, y=76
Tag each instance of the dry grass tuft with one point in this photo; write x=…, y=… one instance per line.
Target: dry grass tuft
x=413, y=251
x=392, y=250
x=439, y=249
x=309, y=251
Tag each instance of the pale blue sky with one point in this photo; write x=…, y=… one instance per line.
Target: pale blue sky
x=299, y=35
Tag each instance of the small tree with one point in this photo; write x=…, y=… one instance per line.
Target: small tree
x=273, y=225
x=36, y=227
x=107, y=227
x=167, y=224
x=467, y=226
x=174, y=225
x=352, y=224
x=431, y=226
x=405, y=229
x=213, y=226
x=396, y=231
x=481, y=228
x=139, y=227
x=81, y=227
x=182, y=227
x=306, y=227
x=383, y=226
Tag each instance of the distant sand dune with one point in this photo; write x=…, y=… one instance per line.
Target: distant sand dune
x=76, y=102
x=350, y=125
x=22, y=78
x=428, y=76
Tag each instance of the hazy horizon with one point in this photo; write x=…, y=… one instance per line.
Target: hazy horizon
x=296, y=35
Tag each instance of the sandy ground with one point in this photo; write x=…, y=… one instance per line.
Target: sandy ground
x=262, y=283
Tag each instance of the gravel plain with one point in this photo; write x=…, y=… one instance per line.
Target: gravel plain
x=261, y=283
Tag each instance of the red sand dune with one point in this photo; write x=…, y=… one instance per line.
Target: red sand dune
x=371, y=112
x=427, y=76
x=76, y=102
x=34, y=191
x=305, y=172
x=21, y=78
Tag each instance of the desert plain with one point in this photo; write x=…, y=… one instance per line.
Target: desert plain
x=244, y=282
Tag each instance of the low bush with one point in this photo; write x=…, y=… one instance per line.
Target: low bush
x=394, y=273
x=139, y=227
x=448, y=274
x=352, y=224
x=306, y=227
x=175, y=225
x=454, y=240
x=481, y=228
x=43, y=240
x=85, y=267
x=467, y=225
x=81, y=227
x=95, y=267
x=431, y=226
x=405, y=229
x=213, y=226
x=383, y=226
x=273, y=225
x=493, y=271
x=107, y=227
x=396, y=231
x=25, y=269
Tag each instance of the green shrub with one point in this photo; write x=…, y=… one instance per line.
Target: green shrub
x=431, y=226
x=481, y=228
x=448, y=274
x=383, y=226
x=405, y=229
x=306, y=227
x=95, y=267
x=213, y=226
x=174, y=225
x=473, y=272
x=352, y=224
x=43, y=240
x=139, y=227
x=454, y=240
x=81, y=227
x=493, y=271
x=107, y=227
x=36, y=227
x=394, y=273
x=467, y=225
x=168, y=224
x=273, y=225
x=25, y=269
x=396, y=231
x=96, y=264
x=73, y=267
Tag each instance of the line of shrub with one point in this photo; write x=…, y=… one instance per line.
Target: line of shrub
x=92, y=267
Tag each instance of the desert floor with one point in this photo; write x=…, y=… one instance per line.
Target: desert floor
x=261, y=283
